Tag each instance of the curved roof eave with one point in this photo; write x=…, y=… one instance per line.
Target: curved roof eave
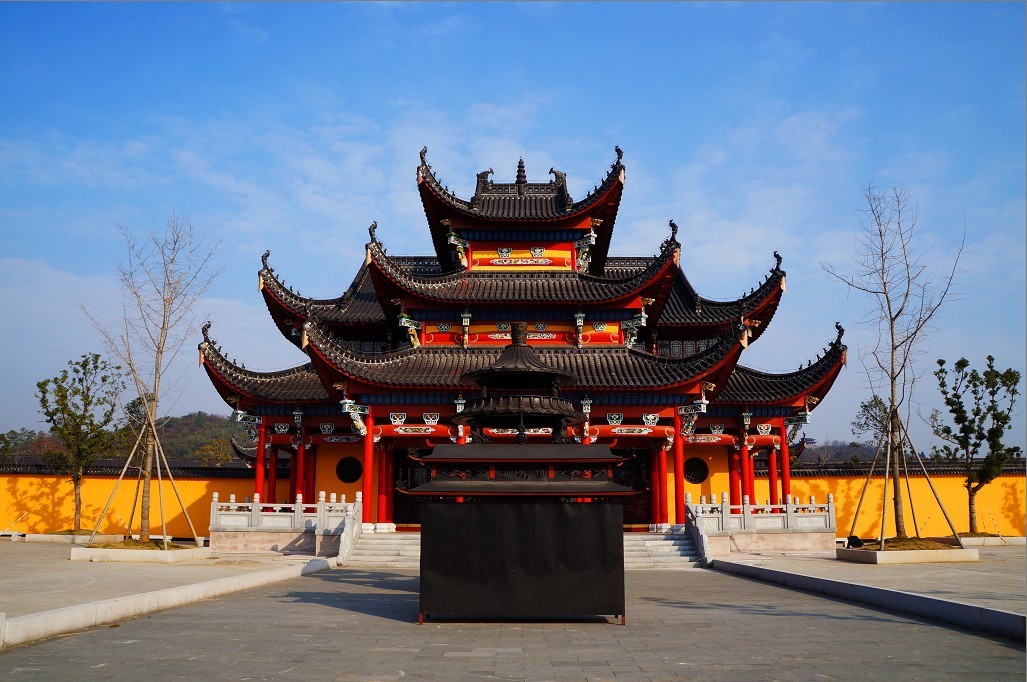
x=747, y=386
x=436, y=190
x=597, y=369
x=240, y=387
x=579, y=287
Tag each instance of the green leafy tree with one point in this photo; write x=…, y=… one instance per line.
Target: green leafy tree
x=871, y=421
x=15, y=444
x=980, y=406
x=79, y=404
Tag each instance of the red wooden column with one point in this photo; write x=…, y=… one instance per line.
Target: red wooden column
x=383, y=493
x=679, y=471
x=654, y=486
x=664, y=515
x=366, y=487
x=272, y=493
x=772, y=473
x=390, y=477
x=786, y=476
x=734, y=466
x=258, y=483
x=746, y=473
x=299, y=465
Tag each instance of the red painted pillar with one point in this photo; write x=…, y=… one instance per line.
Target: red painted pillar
x=772, y=474
x=654, y=486
x=746, y=473
x=664, y=516
x=258, y=483
x=679, y=471
x=272, y=493
x=383, y=503
x=300, y=466
x=786, y=476
x=390, y=477
x=366, y=487
x=734, y=467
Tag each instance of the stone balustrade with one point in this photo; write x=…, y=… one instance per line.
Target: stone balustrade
x=300, y=528
x=717, y=529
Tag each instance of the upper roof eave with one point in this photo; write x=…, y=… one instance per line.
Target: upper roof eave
x=748, y=386
x=467, y=286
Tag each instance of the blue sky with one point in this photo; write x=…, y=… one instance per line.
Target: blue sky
x=291, y=127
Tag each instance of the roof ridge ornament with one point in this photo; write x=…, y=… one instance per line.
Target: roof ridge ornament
x=620, y=155
x=522, y=177
x=841, y=333
x=778, y=259
x=263, y=259
x=671, y=241
x=424, y=157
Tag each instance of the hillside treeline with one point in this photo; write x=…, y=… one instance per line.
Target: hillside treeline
x=199, y=435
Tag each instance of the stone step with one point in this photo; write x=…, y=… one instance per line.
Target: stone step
x=642, y=551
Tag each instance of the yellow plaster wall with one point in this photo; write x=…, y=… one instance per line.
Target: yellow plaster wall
x=50, y=503
x=328, y=457
x=1000, y=504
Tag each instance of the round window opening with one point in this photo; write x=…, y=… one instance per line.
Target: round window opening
x=696, y=470
x=349, y=469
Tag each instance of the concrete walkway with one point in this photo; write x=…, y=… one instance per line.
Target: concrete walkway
x=353, y=625
x=43, y=593
x=989, y=595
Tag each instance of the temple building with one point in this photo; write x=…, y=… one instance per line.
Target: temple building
x=635, y=359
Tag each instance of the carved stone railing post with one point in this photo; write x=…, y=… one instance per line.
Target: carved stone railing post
x=297, y=512
x=725, y=512
x=255, y=511
x=214, y=510
x=322, y=516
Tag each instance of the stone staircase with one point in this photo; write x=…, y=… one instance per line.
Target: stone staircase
x=641, y=551
x=663, y=551
x=386, y=550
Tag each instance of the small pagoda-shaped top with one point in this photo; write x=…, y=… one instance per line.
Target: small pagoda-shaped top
x=521, y=392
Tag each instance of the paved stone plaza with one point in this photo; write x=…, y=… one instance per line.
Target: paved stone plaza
x=354, y=625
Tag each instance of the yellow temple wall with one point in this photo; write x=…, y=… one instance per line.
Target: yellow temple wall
x=49, y=499
x=1000, y=504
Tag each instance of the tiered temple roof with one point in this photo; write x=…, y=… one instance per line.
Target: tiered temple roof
x=329, y=329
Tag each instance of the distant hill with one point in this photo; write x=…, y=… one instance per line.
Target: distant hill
x=181, y=438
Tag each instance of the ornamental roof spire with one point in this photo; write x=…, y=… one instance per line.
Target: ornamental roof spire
x=522, y=177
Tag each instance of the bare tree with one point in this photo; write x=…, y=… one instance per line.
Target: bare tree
x=165, y=276
x=891, y=269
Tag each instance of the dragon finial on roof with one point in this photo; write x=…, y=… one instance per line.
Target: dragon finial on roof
x=777, y=257
x=372, y=228
x=424, y=156
x=619, y=152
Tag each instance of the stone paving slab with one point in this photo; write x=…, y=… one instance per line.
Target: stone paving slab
x=37, y=577
x=356, y=625
x=998, y=580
